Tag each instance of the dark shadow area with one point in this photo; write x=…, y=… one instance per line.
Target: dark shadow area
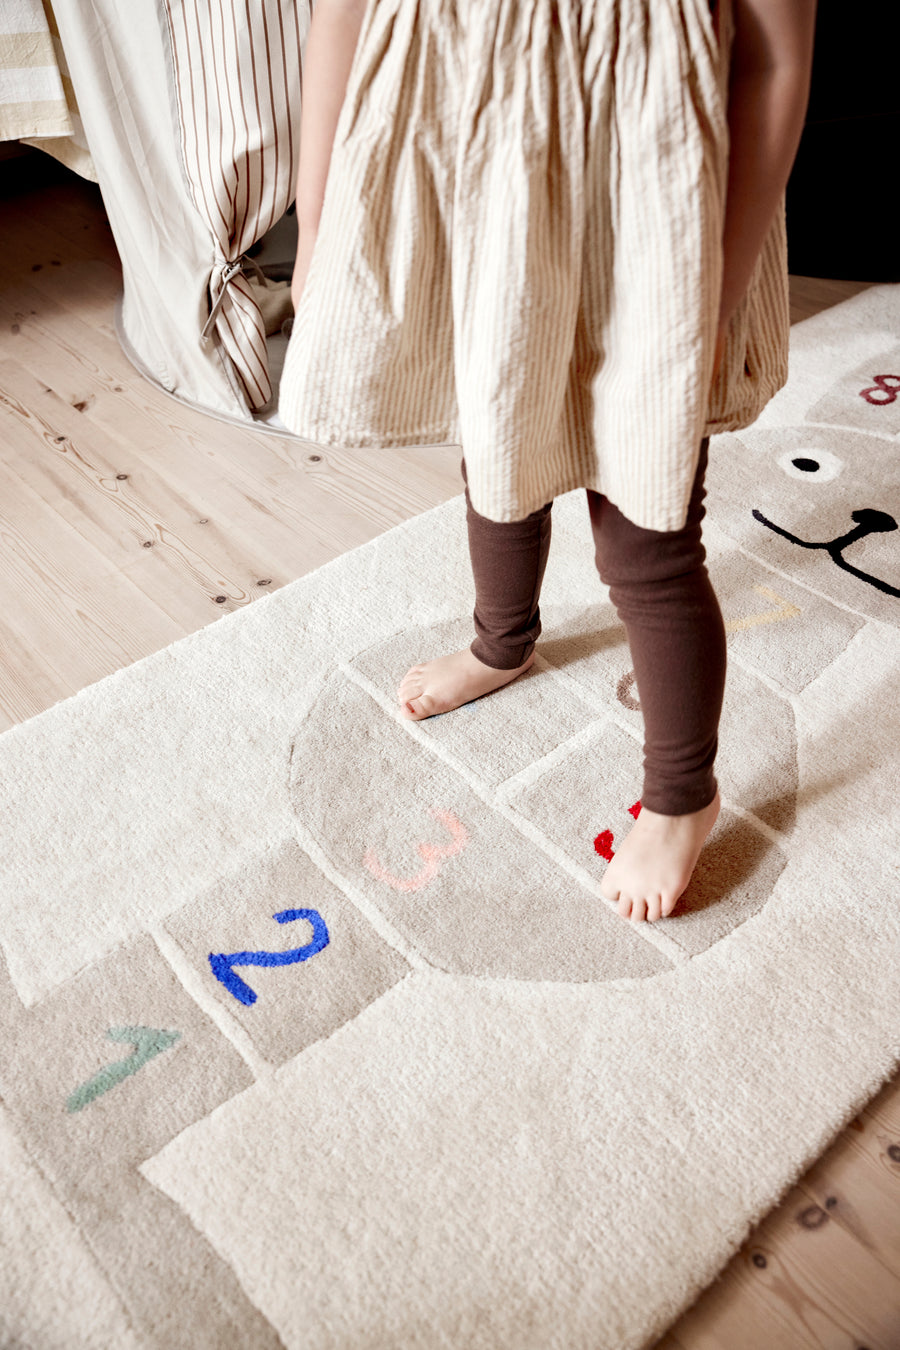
x=24, y=170
x=841, y=197
x=564, y=646
x=727, y=863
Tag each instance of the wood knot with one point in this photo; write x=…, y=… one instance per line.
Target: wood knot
x=812, y=1217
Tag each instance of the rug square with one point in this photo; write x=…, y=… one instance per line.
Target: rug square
x=77, y=1113
x=453, y=877
x=590, y=789
x=582, y=804
x=496, y=736
x=589, y=644
x=849, y=756
x=756, y=763
x=96, y=1077
x=307, y=999
x=755, y=602
x=757, y=757
x=47, y=1267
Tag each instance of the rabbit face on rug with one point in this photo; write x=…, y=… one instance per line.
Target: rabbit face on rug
x=821, y=503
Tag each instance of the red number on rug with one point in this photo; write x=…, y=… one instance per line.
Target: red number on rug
x=886, y=385
x=603, y=844
x=433, y=855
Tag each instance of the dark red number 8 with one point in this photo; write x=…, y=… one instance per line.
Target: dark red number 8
x=886, y=385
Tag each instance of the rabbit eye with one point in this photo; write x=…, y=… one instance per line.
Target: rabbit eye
x=811, y=463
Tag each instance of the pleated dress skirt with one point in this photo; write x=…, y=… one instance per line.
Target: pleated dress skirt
x=520, y=252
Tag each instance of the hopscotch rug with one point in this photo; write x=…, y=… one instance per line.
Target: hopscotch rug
x=316, y=1031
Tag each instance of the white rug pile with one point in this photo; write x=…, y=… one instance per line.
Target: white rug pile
x=316, y=1031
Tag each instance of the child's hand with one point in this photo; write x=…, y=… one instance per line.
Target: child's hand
x=306, y=242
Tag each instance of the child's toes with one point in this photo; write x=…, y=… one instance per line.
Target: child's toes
x=638, y=910
x=423, y=706
x=654, y=908
x=624, y=905
x=668, y=904
x=410, y=687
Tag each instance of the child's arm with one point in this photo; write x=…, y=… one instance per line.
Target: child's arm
x=768, y=94
x=330, y=46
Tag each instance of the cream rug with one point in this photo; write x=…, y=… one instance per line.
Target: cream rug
x=316, y=1031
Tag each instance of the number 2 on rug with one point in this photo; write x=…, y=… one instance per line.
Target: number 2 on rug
x=223, y=965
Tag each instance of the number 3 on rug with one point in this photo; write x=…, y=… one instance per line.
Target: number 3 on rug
x=223, y=966
x=432, y=855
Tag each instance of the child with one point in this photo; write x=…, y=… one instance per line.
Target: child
x=554, y=234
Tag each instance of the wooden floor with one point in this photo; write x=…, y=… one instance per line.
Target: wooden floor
x=128, y=521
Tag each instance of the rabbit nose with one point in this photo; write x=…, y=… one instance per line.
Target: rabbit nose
x=873, y=522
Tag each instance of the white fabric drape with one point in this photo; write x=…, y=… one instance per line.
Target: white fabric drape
x=237, y=83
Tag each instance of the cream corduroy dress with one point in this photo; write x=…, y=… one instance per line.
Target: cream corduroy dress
x=520, y=252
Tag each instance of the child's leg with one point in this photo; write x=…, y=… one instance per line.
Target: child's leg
x=661, y=589
x=508, y=563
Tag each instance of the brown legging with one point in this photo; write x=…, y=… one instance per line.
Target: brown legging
x=662, y=592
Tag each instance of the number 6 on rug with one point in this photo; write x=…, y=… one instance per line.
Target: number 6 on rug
x=223, y=966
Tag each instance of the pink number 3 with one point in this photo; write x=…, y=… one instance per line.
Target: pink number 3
x=432, y=854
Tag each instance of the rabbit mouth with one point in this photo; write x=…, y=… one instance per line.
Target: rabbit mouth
x=867, y=521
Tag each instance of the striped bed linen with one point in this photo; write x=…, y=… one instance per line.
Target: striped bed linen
x=37, y=101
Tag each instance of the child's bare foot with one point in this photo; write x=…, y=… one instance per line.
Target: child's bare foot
x=444, y=684
x=654, y=864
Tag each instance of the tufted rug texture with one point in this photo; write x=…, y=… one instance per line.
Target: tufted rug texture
x=316, y=1031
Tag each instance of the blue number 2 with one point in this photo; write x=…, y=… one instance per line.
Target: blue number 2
x=223, y=966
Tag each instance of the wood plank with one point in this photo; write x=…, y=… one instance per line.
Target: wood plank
x=27, y=684
x=339, y=497
x=857, y=1186
x=885, y=1108
x=803, y=1280
x=74, y=211
x=122, y=502
x=84, y=292
x=32, y=245
x=76, y=611
x=810, y=295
